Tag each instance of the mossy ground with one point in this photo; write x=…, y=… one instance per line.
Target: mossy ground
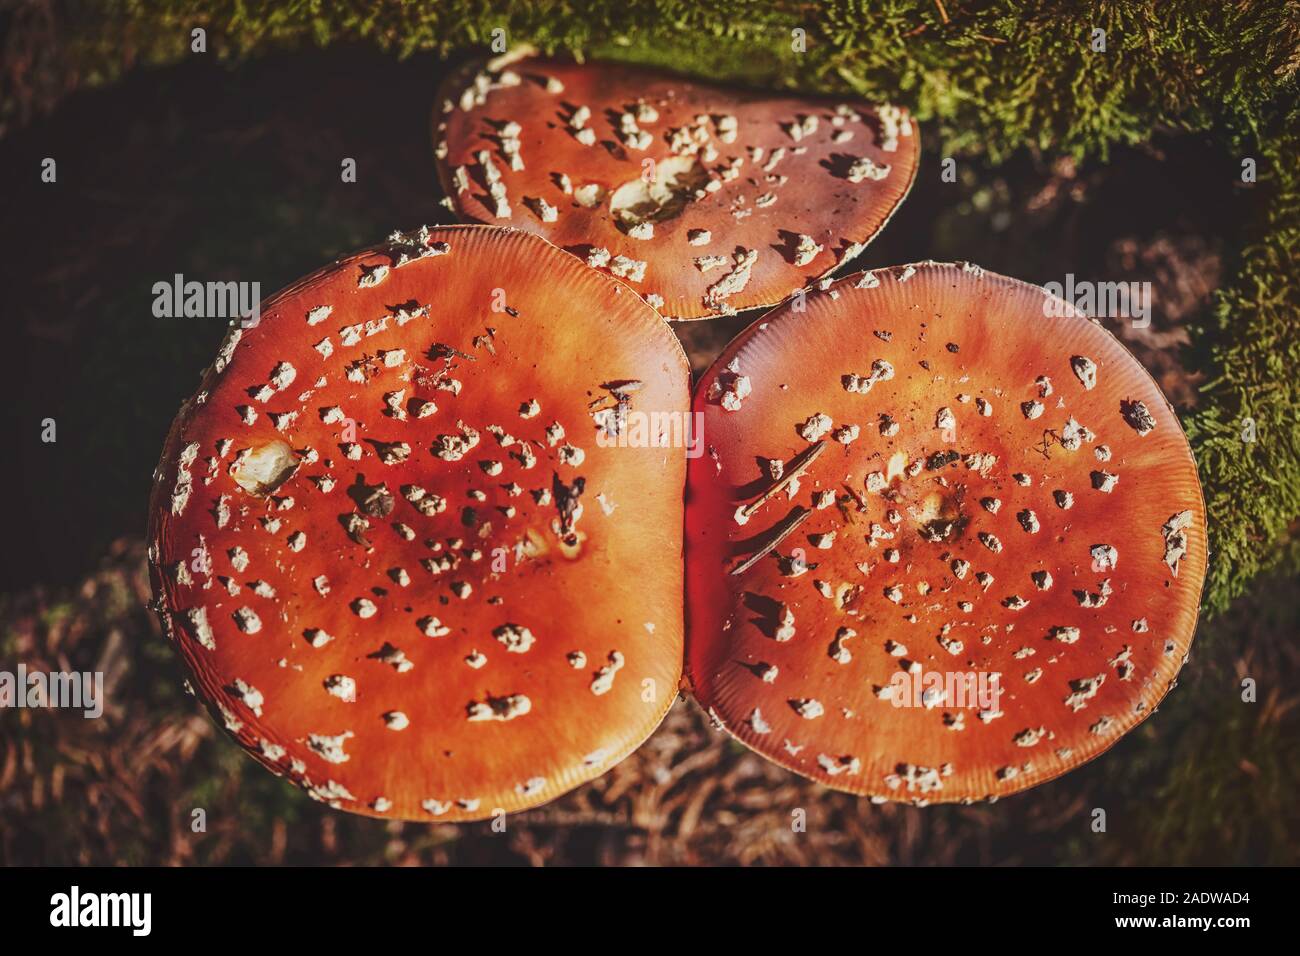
x=1120, y=165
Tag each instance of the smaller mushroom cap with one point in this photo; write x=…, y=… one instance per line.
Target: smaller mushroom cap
x=708, y=200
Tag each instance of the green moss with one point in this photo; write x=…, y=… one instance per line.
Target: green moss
x=987, y=81
x=996, y=79
x=1253, y=487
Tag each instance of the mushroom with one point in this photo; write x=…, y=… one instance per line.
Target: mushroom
x=369, y=609
x=708, y=200
x=941, y=588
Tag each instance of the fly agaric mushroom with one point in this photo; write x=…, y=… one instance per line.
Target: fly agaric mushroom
x=393, y=582
x=708, y=200
x=847, y=617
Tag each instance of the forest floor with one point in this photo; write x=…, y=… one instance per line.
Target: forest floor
x=235, y=174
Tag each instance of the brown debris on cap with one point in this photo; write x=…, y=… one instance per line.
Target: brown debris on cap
x=708, y=200
x=1032, y=511
x=381, y=581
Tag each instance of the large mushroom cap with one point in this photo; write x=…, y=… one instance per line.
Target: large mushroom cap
x=708, y=200
x=931, y=476
x=391, y=548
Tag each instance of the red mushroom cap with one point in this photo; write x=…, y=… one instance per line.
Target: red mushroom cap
x=708, y=200
x=931, y=476
x=388, y=539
